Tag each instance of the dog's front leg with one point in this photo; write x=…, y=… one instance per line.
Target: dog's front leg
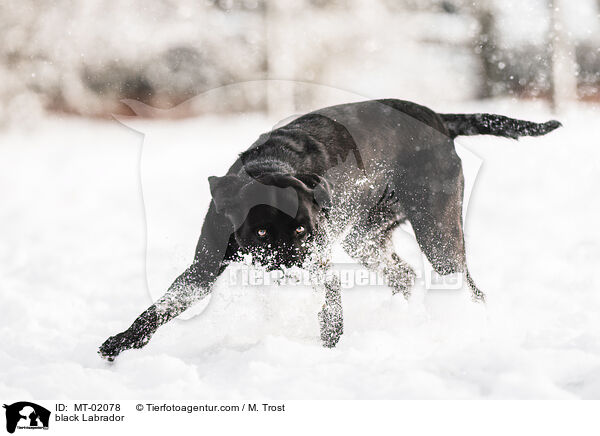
x=324, y=281
x=185, y=291
x=331, y=318
x=215, y=248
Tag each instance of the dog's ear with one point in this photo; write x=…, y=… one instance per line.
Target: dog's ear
x=225, y=191
x=320, y=187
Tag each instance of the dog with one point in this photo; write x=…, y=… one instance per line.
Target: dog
x=351, y=172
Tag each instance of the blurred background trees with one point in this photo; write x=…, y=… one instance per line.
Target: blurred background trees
x=84, y=57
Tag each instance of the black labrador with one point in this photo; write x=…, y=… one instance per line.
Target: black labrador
x=352, y=172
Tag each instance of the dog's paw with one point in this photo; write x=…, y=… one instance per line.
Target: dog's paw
x=332, y=327
x=126, y=340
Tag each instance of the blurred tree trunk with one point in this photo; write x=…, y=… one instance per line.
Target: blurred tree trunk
x=485, y=46
x=279, y=19
x=563, y=62
x=486, y=42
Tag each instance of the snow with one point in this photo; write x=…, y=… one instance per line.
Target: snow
x=77, y=264
x=580, y=18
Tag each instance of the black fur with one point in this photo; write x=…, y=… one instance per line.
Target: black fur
x=362, y=167
x=497, y=125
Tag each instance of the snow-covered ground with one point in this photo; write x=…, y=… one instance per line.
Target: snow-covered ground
x=82, y=250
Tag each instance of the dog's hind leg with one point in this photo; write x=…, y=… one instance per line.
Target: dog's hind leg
x=370, y=242
x=476, y=293
x=439, y=233
x=435, y=213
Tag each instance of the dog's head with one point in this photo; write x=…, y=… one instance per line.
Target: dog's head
x=274, y=216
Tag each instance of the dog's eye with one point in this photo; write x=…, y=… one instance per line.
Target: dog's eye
x=261, y=233
x=300, y=230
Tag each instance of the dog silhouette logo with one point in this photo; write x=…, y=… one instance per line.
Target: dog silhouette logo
x=26, y=415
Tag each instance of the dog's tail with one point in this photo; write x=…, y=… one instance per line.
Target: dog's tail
x=497, y=125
